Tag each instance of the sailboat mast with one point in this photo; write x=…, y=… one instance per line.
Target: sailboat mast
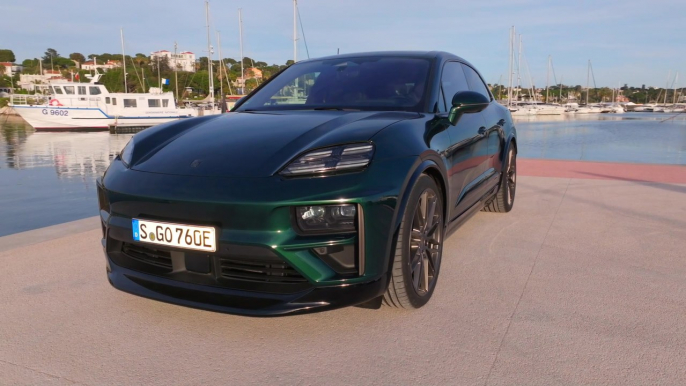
x=519, y=65
x=295, y=31
x=240, y=34
x=588, y=79
x=510, y=65
x=176, y=76
x=221, y=73
x=123, y=59
x=669, y=75
x=676, y=79
x=209, y=52
x=547, y=80
x=561, y=77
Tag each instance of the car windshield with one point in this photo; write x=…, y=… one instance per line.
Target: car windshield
x=366, y=83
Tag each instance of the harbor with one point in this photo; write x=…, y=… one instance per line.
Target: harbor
x=584, y=284
x=340, y=170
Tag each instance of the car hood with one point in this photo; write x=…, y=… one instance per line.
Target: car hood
x=251, y=144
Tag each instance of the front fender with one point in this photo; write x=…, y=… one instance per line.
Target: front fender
x=431, y=163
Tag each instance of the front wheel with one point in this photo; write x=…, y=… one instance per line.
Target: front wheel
x=417, y=258
x=504, y=199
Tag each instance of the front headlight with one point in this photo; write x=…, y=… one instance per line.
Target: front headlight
x=331, y=159
x=127, y=153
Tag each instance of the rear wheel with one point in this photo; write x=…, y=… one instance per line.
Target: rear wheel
x=417, y=258
x=504, y=199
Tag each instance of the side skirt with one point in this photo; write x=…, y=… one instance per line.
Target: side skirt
x=474, y=209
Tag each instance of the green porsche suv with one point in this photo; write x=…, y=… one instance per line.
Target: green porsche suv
x=335, y=183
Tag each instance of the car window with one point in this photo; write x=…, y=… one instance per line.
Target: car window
x=453, y=81
x=475, y=82
x=364, y=83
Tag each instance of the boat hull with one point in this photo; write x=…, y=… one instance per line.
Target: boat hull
x=74, y=118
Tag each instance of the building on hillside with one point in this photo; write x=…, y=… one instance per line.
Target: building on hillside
x=253, y=73
x=92, y=65
x=38, y=83
x=184, y=61
x=621, y=98
x=10, y=69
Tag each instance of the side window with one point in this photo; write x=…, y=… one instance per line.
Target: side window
x=107, y=100
x=94, y=90
x=475, y=82
x=129, y=103
x=114, y=101
x=82, y=90
x=153, y=103
x=165, y=102
x=69, y=90
x=58, y=90
x=452, y=81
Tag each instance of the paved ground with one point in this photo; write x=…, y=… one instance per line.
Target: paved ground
x=584, y=282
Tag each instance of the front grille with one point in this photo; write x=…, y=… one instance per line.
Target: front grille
x=257, y=264
x=151, y=256
x=275, y=271
x=236, y=262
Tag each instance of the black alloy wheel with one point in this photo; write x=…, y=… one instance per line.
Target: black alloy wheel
x=419, y=247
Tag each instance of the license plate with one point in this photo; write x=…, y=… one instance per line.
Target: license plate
x=175, y=235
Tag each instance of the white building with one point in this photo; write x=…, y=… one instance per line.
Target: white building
x=38, y=83
x=92, y=65
x=10, y=68
x=184, y=61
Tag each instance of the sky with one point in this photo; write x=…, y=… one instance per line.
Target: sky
x=630, y=41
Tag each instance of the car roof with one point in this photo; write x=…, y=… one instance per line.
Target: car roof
x=410, y=54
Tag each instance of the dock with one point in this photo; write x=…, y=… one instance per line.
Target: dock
x=584, y=282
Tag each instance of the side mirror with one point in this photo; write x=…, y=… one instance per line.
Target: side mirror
x=467, y=102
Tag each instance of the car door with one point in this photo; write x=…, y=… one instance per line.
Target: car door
x=465, y=137
x=494, y=118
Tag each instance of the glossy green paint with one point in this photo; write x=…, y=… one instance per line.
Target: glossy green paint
x=223, y=171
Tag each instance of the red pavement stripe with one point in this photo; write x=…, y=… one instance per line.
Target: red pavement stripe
x=674, y=174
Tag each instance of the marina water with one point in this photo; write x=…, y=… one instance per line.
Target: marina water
x=48, y=178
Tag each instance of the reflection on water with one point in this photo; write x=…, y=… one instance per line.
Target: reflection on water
x=77, y=154
x=49, y=178
x=631, y=137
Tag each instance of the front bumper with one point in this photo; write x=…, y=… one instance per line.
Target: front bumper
x=253, y=219
x=239, y=301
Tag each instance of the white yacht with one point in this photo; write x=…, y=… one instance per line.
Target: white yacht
x=613, y=109
x=589, y=109
x=549, y=108
x=74, y=106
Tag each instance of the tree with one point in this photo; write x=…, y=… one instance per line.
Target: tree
x=163, y=64
x=51, y=53
x=77, y=56
x=7, y=56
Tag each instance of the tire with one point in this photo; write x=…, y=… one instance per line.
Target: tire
x=504, y=199
x=419, y=248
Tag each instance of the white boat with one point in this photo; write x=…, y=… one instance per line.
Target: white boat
x=589, y=109
x=73, y=106
x=522, y=111
x=613, y=109
x=549, y=109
